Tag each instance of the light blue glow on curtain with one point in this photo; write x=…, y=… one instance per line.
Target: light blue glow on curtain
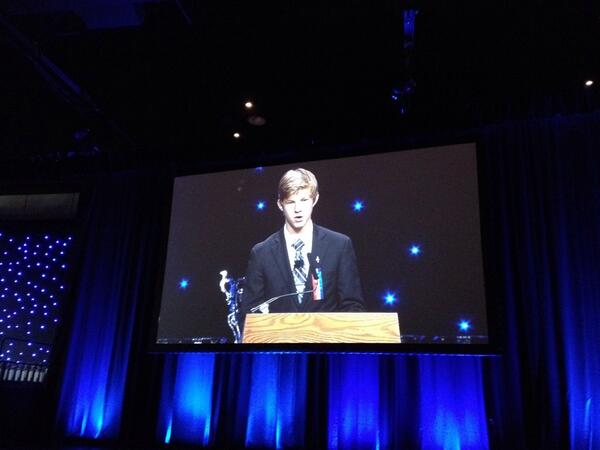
x=449, y=405
x=577, y=234
x=94, y=381
x=266, y=394
x=95, y=375
x=93, y=387
x=354, y=407
x=550, y=206
x=187, y=399
x=374, y=401
x=277, y=402
x=452, y=407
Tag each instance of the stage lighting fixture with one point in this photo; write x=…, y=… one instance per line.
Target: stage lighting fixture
x=236, y=135
x=183, y=284
x=254, y=119
x=589, y=83
x=260, y=205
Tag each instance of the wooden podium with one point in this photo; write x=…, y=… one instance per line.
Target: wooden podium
x=332, y=328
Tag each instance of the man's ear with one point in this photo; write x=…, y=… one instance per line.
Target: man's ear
x=279, y=205
x=316, y=200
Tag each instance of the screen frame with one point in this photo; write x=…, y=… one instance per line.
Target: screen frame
x=493, y=306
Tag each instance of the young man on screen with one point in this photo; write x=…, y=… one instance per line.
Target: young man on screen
x=311, y=268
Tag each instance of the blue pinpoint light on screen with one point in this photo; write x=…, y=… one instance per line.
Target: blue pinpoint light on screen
x=358, y=206
x=260, y=205
x=414, y=250
x=464, y=326
x=183, y=284
x=390, y=298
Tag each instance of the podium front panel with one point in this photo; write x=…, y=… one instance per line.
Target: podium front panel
x=332, y=328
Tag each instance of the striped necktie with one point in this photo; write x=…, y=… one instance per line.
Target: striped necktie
x=299, y=270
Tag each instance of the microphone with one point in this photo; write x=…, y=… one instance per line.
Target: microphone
x=266, y=303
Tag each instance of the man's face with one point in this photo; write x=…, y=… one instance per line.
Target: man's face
x=297, y=209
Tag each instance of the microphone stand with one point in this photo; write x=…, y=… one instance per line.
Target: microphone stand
x=271, y=300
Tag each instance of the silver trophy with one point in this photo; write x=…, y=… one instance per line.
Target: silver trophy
x=233, y=290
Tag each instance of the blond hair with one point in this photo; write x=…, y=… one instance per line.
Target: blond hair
x=296, y=179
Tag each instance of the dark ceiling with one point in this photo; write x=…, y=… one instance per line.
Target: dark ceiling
x=167, y=80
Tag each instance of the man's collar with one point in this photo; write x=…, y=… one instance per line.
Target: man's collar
x=306, y=234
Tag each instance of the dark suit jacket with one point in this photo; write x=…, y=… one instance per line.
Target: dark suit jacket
x=269, y=274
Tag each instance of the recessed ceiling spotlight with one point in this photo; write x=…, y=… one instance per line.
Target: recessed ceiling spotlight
x=249, y=105
x=236, y=135
x=589, y=83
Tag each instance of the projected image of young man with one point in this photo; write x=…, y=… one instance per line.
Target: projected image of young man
x=309, y=267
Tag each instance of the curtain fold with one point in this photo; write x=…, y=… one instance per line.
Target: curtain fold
x=116, y=240
x=546, y=193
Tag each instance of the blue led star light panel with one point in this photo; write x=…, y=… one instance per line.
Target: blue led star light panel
x=33, y=283
x=414, y=247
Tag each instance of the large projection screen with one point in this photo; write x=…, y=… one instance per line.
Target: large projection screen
x=412, y=217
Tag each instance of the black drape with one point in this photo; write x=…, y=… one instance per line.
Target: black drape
x=544, y=193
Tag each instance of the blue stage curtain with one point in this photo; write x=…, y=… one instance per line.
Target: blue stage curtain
x=365, y=401
x=116, y=243
x=545, y=206
x=541, y=209
x=187, y=406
